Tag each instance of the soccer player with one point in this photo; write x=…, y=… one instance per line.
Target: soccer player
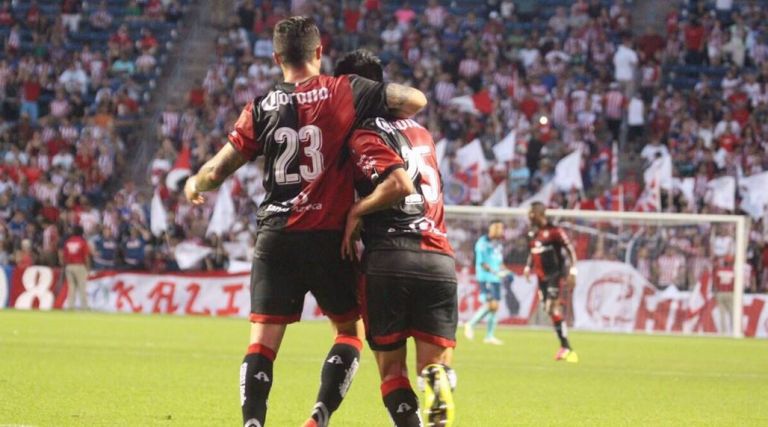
x=489, y=270
x=547, y=243
x=301, y=127
x=409, y=284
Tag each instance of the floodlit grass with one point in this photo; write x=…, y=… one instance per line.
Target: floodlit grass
x=89, y=369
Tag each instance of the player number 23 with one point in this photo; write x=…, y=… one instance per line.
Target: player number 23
x=310, y=134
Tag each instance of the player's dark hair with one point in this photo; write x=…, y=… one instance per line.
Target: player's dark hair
x=538, y=206
x=295, y=40
x=361, y=62
x=77, y=230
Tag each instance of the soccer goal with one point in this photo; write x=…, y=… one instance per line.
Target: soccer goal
x=637, y=271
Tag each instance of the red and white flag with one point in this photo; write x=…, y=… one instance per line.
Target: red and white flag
x=470, y=155
x=568, y=172
x=478, y=104
x=498, y=198
x=223, y=217
x=721, y=192
x=182, y=168
x=504, y=150
x=158, y=217
x=544, y=195
x=754, y=191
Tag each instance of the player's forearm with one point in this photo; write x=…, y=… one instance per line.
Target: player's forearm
x=215, y=171
x=404, y=101
x=393, y=189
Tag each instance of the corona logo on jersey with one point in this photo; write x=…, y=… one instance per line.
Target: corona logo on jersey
x=276, y=98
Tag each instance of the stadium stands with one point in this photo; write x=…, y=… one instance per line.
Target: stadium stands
x=526, y=82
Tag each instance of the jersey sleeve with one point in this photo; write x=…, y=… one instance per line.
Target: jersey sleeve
x=480, y=249
x=369, y=97
x=243, y=135
x=372, y=157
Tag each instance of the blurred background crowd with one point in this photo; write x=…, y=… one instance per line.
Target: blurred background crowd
x=520, y=84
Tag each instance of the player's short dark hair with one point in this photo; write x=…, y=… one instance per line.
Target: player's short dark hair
x=295, y=40
x=77, y=230
x=361, y=62
x=538, y=206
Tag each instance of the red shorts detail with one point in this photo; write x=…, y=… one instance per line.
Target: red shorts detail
x=433, y=339
x=349, y=316
x=394, y=384
x=274, y=319
x=262, y=350
x=391, y=338
x=349, y=340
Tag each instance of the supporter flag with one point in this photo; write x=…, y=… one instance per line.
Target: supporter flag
x=721, y=192
x=223, y=217
x=440, y=147
x=498, y=198
x=568, y=172
x=470, y=155
x=504, y=151
x=478, y=104
x=189, y=254
x=182, y=168
x=754, y=190
x=158, y=221
x=470, y=179
x=685, y=186
x=544, y=195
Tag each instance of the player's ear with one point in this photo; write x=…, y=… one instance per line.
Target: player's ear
x=277, y=58
x=319, y=51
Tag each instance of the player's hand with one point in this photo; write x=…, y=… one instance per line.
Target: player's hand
x=351, y=236
x=191, y=193
x=527, y=274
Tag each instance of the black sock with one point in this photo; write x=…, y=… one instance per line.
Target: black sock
x=401, y=402
x=339, y=367
x=255, y=383
x=562, y=333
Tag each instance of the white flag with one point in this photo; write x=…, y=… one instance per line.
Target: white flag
x=722, y=192
x=544, y=195
x=568, y=172
x=189, y=254
x=499, y=196
x=440, y=147
x=471, y=154
x=754, y=190
x=686, y=185
x=660, y=171
x=158, y=221
x=223, y=217
x=504, y=150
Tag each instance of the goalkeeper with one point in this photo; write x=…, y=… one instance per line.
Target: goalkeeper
x=489, y=271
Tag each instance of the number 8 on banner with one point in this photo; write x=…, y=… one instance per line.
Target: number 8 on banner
x=37, y=281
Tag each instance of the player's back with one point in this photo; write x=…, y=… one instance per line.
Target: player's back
x=301, y=129
x=418, y=221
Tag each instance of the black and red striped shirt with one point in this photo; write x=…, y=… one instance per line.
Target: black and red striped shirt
x=417, y=223
x=301, y=130
x=546, y=245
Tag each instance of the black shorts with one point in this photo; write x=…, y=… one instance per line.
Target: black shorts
x=397, y=306
x=550, y=288
x=287, y=265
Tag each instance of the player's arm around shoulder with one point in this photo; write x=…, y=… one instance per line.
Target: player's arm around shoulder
x=403, y=101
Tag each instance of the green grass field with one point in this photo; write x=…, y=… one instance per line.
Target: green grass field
x=60, y=369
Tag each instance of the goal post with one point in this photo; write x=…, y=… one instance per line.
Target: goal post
x=675, y=256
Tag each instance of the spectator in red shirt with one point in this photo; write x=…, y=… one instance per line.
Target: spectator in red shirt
x=147, y=42
x=649, y=44
x=695, y=35
x=30, y=94
x=75, y=257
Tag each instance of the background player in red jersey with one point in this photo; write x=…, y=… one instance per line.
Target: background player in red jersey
x=547, y=243
x=409, y=288
x=301, y=128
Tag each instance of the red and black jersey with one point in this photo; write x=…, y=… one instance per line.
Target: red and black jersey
x=417, y=223
x=301, y=130
x=546, y=245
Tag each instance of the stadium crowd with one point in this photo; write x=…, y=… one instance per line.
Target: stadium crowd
x=555, y=75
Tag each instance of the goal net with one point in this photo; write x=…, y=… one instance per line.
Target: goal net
x=637, y=272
